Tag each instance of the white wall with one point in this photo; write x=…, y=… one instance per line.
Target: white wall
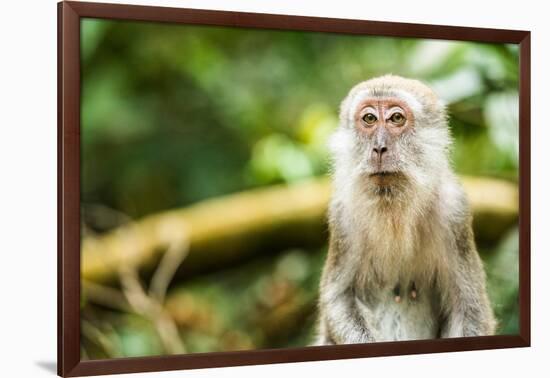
x=28, y=186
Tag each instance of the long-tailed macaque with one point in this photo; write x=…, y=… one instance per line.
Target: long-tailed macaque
x=402, y=262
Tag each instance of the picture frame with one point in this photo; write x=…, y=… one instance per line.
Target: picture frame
x=70, y=15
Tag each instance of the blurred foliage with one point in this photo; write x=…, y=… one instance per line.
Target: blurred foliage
x=173, y=114
x=502, y=268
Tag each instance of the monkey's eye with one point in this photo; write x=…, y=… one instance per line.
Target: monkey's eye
x=398, y=119
x=369, y=119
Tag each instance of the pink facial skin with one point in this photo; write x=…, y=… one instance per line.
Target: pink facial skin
x=382, y=122
x=384, y=110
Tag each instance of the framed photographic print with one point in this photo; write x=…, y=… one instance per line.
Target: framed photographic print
x=239, y=188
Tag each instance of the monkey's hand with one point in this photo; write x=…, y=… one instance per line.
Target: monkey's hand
x=469, y=311
x=342, y=321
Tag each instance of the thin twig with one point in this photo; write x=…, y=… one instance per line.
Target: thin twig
x=92, y=332
x=150, y=305
x=166, y=269
x=105, y=296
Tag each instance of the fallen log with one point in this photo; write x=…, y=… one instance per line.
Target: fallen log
x=231, y=228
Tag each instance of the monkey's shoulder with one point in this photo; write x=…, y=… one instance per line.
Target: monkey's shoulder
x=455, y=211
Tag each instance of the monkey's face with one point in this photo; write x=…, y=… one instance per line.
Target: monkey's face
x=391, y=129
x=380, y=123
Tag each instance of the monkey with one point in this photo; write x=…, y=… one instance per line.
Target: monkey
x=402, y=263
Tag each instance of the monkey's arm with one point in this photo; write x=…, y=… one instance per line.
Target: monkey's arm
x=341, y=321
x=468, y=310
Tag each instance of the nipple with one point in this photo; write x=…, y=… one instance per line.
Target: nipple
x=397, y=293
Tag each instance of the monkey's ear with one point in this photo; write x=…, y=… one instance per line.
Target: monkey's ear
x=340, y=141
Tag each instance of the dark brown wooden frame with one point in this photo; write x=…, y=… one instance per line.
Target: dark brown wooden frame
x=69, y=15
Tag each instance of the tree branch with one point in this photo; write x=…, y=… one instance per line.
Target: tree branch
x=227, y=229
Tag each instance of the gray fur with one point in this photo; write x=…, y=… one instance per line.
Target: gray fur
x=414, y=227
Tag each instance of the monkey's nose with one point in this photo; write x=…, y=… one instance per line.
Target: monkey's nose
x=379, y=151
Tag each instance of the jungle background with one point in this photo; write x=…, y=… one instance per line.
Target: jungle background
x=204, y=176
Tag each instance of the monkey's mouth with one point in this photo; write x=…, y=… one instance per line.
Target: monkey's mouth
x=385, y=179
x=382, y=174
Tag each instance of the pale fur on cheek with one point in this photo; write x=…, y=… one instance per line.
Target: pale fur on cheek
x=340, y=141
x=341, y=145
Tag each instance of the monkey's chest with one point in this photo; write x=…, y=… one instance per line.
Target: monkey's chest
x=405, y=319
